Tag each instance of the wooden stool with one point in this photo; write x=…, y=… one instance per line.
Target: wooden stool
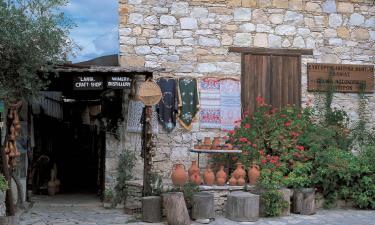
x=151, y=209
x=242, y=207
x=203, y=206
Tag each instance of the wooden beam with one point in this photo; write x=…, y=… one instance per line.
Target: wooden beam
x=271, y=51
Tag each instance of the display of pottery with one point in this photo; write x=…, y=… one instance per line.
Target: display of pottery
x=209, y=176
x=193, y=168
x=239, y=172
x=179, y=175
x=253, y=174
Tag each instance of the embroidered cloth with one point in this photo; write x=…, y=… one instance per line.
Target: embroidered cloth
x=134, y=124
x=230, y=101
x=188, y=101
x=209, y=103
x=168, y=105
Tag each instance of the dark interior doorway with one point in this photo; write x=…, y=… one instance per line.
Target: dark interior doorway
x=75, y=144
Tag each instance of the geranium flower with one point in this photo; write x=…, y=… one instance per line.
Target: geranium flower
x=288, y=123
x=247, y=126
x=231, y=132
x=299, y=115
x=243, y=139
x=294, y=134
x=260, y=101
x=264, y=161
x=278, y=164
x=300, y=147
x=261, y=152
x=254, y=145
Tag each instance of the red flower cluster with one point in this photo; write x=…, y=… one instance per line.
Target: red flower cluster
x=243, y=140
x=260, y=101
x=294, y=134
x=300, y=148
x=272, y=159
x=288, y=123
x=247, y=126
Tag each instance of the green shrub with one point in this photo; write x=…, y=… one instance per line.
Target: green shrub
x=3, y=183
x=273, y=203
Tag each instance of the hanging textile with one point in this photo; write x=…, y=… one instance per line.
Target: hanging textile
x=210, y=103
x=188, y=101
x=134, y=124
x=168, y=105
x=230, y=100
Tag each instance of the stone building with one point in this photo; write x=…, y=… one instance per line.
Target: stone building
x=193, y=38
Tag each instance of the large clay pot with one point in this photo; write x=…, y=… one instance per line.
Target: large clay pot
x=57, y=183
x=232, y=181
x=178, y=175
x=196, y=179
x=241, y=181
x=51, y=188
x=193, y=168
x=207, y=141
x=253, y=174
x=209, y=176
x=239, y=172
x=221, y=175
x=220, y=181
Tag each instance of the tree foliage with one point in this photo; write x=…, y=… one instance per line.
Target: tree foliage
x=33, y=37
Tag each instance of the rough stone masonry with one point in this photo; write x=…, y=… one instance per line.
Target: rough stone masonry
x=192, y=38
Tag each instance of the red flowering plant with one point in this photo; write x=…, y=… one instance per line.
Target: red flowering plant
x=270, y=137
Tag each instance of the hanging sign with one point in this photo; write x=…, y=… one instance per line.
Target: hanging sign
x=88, y=83
x=341, y=77
x=119, y=82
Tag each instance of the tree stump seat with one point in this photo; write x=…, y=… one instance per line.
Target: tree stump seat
x=242, y=207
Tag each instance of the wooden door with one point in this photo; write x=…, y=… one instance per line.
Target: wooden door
x=277, y=78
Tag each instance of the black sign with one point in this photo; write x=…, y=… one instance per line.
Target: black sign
x=88, y=83
x=119, y=82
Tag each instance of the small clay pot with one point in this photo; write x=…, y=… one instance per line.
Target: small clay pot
x=207, y=141
x=216, y=141
x=220, y=181
x=178, y=175
x=232, y=181
x=239, y=172
x=193, y=168
x=209, y=176
x=221, y=173
x=241, y=181
x=196, y=179
x=51, y=188
x=253, y=174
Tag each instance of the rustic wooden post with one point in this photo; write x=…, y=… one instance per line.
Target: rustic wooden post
x=203, y=206
x=147, y=146
x=242, y=207
x=151, y=209
x=308, y=204
x=175, y=208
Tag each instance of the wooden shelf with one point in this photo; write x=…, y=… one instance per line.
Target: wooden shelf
x=213, y=151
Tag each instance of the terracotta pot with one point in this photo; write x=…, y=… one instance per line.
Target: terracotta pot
x=216, y=141
x=241, y=181
x=209, y=176
x=232, y=181
x=193, y=168
x=196, y=179
x=57, y=183
x=253, y=174
x=221, y=174
x=178, y=175
x=239, y=172
x=51, y=188
x=207, y=141
x=220, y=181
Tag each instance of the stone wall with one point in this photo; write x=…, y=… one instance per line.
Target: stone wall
x=192, y=37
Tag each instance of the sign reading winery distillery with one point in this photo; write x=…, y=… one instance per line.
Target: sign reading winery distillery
x=119, y=82
x=88, y=83
x=342, y=77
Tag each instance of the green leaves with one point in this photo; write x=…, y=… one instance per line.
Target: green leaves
x=33, y=35
x=273, y=203
x=3, y=183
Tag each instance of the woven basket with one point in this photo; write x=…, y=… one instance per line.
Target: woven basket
x=149, y=93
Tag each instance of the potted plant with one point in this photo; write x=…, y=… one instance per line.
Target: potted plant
x=108, y=198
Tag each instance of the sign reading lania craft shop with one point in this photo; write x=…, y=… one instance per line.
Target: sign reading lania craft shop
x=88, y=83
x=342, y=77
x=119, y=82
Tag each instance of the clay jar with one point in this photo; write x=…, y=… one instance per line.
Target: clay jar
x=221, y=176
x=239, y=172
x=207, y=141
x=196, y=178
x=178, y=175
x=253, y=174
x=232, y=181
x=216, y=141
x=209, y=176
x=241, y=181
x=193, y=168
x=51, y=188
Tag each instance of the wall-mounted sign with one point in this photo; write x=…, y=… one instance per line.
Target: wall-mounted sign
x=88, y=83
x=343, y=78
x=119, y=82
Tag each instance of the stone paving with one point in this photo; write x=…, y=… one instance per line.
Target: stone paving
x=94, y=215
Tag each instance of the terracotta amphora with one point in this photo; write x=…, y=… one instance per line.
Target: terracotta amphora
x=209, y=176
x=253, y=174
x=239, y=172
x=221, y=176
x=193, y=168
x=216, y=141
x=232, y=181
x=178, y=175
x=241, y=181
x=196, y=178
x=207, y=141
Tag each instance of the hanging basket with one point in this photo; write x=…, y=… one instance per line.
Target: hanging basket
x=149, y=93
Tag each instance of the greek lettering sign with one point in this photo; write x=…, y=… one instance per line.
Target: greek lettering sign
x=341, y=77
x=88, y=83
x=119, y=82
